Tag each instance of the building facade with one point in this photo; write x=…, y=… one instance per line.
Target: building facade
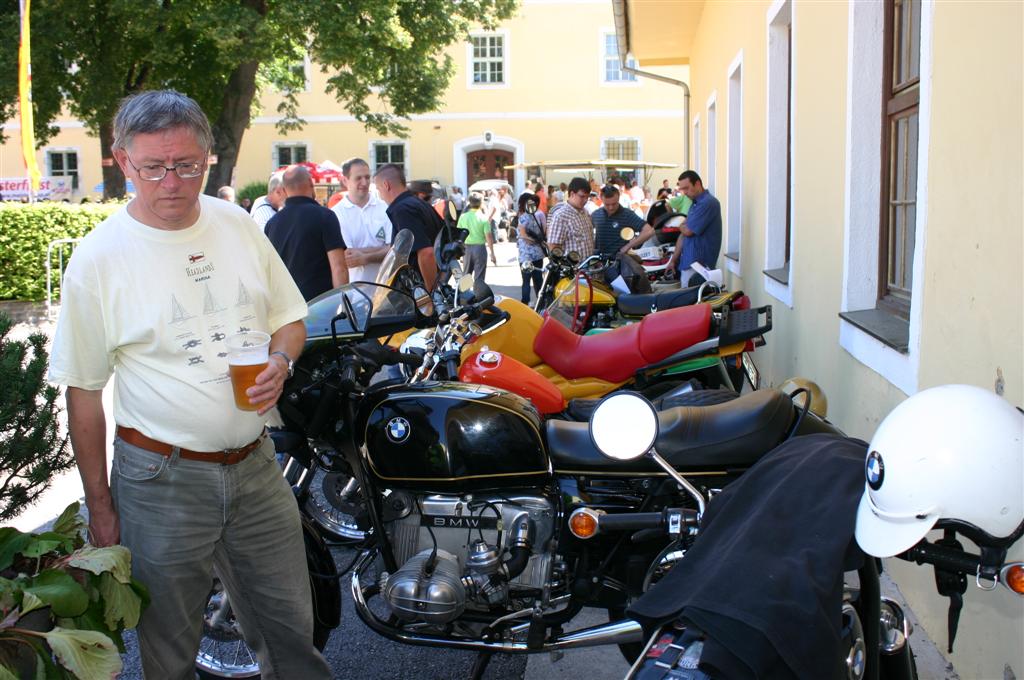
x=868, y=159
x=544, y=85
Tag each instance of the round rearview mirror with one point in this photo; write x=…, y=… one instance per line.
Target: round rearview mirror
x=627, y=234
x=423, y=302
x=624, y=426
x=531, y=207
x=452, y=212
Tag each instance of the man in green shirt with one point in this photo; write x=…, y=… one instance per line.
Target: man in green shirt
x=680, y=203
x=479, y=240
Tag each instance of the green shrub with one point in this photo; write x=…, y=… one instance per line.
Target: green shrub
x=25, y=232
x=252, y=191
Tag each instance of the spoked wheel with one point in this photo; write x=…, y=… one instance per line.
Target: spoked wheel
x=334, y=500
x=223, y=652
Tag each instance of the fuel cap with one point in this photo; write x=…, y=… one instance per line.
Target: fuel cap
x=490, y=358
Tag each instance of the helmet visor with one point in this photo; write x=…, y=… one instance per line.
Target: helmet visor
x=883, y=534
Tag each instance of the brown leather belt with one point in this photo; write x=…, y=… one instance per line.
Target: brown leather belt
x=226, y=457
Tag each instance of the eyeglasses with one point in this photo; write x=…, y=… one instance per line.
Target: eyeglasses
x=155, y=173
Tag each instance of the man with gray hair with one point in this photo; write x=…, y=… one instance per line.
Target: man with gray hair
x=149, y=297
x=226, y=193
x=266, y=206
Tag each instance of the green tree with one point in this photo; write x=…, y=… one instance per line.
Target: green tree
x=32, y=448
x=385, y=59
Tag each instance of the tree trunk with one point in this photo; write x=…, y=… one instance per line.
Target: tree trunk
x=231, y=124
x=113, y=178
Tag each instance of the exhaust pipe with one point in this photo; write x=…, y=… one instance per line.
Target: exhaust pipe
x=614, y=633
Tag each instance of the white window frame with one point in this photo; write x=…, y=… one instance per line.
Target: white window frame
x=372, y=150
x=861, y=221
x=780, y=119
x=712, y=136
x=78, y=160
x=274, y=155
x=307, y=73
x=733, y=237
x=696, y=144
x=506, y=60
x=639, y=153
x=602, y=67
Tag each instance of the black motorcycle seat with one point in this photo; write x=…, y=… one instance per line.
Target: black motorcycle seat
x=640, y=305
x=721, y=436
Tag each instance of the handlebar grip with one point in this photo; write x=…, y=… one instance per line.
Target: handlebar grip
x=948, y=559
x=452, y=366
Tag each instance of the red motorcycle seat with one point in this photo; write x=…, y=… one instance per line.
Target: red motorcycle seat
x=616, y=355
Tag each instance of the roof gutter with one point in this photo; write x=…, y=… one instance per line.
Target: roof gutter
x=622, y=43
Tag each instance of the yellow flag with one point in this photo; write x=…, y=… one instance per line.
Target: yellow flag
x=28, y=137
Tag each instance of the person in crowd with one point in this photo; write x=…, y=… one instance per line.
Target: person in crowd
x=559, y=194
x=364, y=222
x=665, y=185
x=307, y=236
x=552, y=199
x=406, y=211
x=610, y=219
x=664, y=193
x=497, y=206
x=593, y=202
x=700, y=239
x=226, y=193
x=266, y=206
x=531, y=230
x=458, y=200
x=542, y=196
x=246, y=203
x=479, y=241
x=149, y=297
x=569, y=226
x=636, y=192
x=680, y=203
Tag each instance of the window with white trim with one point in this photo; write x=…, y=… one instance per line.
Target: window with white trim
x=488, y=64
x=709, y=179
x=382, y=153
x=696, y=145
x=613, y=72
x=620, y=148
x=734, y=233
x=289, y=153
x=63, y=163
x=778, y=222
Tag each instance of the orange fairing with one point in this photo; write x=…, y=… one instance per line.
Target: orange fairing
x=614, y=356
x=498, y=370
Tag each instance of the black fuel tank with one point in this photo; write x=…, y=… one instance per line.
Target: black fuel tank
x=445, y=437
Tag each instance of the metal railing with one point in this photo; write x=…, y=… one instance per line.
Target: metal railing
x=62, y=246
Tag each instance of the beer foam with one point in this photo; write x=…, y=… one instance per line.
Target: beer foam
x=249, y=359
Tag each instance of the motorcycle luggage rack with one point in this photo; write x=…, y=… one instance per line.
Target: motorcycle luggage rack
x=744, y=324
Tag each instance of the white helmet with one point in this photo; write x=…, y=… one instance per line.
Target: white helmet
x=950, y=452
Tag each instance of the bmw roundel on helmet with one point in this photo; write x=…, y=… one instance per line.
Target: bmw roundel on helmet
x=950, y=452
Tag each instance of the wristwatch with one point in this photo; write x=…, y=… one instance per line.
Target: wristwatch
x=288, y=359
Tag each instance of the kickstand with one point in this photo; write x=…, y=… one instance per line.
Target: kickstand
x=480, y=665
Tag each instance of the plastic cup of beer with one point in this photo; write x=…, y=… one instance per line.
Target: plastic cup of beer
x=247, y=357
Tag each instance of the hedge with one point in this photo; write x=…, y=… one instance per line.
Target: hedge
x=25, y=232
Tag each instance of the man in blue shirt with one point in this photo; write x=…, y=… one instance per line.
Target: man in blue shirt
x=700, y=239
x=609, y=220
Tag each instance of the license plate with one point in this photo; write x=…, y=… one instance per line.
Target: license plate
x=751, y=370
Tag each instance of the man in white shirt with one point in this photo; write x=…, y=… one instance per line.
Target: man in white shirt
x=364, y=221
x=265, y=207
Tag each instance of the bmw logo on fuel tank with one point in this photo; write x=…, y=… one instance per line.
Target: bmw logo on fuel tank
x=398, y=429
x=874, y=470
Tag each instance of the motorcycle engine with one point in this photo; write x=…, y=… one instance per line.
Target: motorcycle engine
x=459, y=552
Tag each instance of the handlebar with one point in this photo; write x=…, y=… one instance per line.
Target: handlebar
x=948, y=559
x=675, y=520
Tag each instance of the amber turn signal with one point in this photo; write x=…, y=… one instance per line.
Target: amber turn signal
x=1013, y=577
x=583, y=522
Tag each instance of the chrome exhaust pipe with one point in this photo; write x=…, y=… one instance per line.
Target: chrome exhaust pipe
x=614, y=633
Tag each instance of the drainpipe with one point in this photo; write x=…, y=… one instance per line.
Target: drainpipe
x=621, y=41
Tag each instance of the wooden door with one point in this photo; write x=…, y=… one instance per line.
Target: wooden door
x=489, y=164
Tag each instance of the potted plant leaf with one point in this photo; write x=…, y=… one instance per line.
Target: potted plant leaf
x=64, y=603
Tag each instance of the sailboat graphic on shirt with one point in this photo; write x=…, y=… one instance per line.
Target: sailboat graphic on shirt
x=210, y=304
x=243, y=295
x=178, y=313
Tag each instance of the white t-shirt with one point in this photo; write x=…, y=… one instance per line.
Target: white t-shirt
x=366, y=227
x=261, y=211
x=153, y=307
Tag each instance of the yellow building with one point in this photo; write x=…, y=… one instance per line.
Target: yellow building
x=545, y=85
x=890, y=244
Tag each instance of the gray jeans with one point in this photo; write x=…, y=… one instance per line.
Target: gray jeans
x=181, y=519
x=476, y=261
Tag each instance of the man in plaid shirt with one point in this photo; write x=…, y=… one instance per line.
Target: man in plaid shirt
x=569, y=225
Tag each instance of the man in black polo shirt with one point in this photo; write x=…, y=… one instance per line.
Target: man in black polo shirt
x=609, y=220
x=307, y=237
x=406, y=211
